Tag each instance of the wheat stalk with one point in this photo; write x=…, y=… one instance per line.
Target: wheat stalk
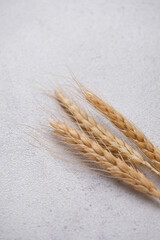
x=115, y=166
x=102, y=135
x=128, y=128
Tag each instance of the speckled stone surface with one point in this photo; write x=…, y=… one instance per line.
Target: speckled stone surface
x=113, y=48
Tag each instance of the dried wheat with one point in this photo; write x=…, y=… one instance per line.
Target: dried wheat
x=128, y=128
x=115, y=166
x=102, y=135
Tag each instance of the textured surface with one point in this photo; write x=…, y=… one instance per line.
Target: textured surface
x=113, y=48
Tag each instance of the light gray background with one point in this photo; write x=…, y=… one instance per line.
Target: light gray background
x=113, y=47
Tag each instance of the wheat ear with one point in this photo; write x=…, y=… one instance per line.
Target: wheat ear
x=102, y=135
x=128, y=128
x=115, y=166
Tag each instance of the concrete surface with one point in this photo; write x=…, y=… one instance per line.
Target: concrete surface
x=113, y=48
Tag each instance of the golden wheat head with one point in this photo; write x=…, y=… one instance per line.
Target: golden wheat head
x=115, y=166
x=128, y=128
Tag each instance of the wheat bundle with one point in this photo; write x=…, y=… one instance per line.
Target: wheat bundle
x=118, y=147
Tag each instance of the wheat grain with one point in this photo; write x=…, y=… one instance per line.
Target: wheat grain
x=115, y=166
x=118, y=147
x=128, y=128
